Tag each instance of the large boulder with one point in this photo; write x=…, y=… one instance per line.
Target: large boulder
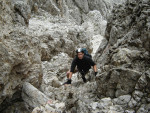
x=32, y=96
x=39, y=101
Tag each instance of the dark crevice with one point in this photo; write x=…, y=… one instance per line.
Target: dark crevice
x=10, y=101
x=17, y=11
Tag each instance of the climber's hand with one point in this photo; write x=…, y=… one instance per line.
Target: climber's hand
x=68, y=82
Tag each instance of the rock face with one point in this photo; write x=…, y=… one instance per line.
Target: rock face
x=124, y=59
x=26, y=42
x=38, y=39
x=19, y=58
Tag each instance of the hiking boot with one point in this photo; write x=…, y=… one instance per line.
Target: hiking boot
x=68, y=82
x=84, y=79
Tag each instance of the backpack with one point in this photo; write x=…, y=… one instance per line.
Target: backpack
x=86, y=52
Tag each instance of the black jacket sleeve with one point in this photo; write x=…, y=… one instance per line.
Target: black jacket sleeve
x=91, y=62
x=73, y=65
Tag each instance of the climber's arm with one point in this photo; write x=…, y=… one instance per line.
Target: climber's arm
x=73, y=65
x=92, y=63
x=95, y=68
x=70, y=75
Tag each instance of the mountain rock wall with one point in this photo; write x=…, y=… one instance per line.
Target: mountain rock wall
x=38, y=39
x=124, y=56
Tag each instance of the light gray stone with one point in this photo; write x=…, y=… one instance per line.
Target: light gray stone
x=105, y=102
x=32, y=96
x=132, y=103
x=129, y=111
x=94, y=105
x=137, y=95
x=83, y=5
x=122, y=100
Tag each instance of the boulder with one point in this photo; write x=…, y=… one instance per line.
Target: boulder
x=32, y=96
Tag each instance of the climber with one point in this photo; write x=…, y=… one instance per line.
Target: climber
x=83, y=62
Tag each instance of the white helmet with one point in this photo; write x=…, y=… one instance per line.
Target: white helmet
x=79, y=50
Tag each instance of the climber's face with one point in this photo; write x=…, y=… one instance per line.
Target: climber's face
x=80, y=55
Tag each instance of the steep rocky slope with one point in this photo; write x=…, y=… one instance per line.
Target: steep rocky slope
x=38, y=39
x=19, y=58
x=124, y=57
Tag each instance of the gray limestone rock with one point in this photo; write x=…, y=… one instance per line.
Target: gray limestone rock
x=41, y=48
x=122, y=100
x=83, y=5
x=124, y=62
x=23, y=12
x=32, y=96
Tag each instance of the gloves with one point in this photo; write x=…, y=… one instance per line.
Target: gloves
x=95, y=73
x=84, y=79
x=68, y=82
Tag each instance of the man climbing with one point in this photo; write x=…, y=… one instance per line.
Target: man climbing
x=83, y=61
